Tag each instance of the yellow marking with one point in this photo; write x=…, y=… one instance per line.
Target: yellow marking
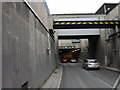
x=57, y=23
x=63, y=23
x=101, y=22
x=84, y=22
x=68, y=23
x=111, y=22
x=106, y=23
x=74, y=23
x=79, y=23
x=90, y=22
x=117, y=22
x=95, y=22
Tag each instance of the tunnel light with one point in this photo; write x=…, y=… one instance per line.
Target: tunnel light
x=73, y=47
x=65, y=47
x=78, y=49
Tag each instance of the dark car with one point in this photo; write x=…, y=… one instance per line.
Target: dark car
x=91, y=64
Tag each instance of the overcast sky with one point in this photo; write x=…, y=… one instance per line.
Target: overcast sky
x=76, y=6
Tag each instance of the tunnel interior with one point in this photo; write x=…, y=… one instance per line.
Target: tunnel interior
x=69, y=53
x=83, y=49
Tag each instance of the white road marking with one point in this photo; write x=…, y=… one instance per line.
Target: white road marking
x=117, y=82
x=60, y=79
x=100, y=80
x=104, y=82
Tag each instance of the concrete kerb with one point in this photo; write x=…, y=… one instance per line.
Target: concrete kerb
x=116, y=83
x=112, y=69
x=118, y=79
x=54, y=80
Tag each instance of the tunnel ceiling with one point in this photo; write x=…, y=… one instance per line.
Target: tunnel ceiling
x=85, y=24
x=77, y=37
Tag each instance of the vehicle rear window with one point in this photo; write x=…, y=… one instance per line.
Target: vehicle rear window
x=92, y=61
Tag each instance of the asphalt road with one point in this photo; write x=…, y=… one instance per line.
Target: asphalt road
x=74, y=76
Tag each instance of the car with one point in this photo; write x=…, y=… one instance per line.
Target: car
x=64, y=60
x=91, y=64
x=73, y=60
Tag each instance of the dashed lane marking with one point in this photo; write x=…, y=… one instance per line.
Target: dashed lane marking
x=104, y=82
x=100, y=80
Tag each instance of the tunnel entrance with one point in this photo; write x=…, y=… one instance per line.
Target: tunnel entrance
x=69, y=53
x=74, y=49
x=79, y=49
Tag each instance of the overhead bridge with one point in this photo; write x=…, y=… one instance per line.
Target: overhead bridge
x=85, y=24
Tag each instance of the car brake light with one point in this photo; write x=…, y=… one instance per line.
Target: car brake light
x=98, y=63
x=64, y=60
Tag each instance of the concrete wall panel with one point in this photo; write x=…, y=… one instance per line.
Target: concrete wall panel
x=112, y=46
x=39, y=8
x=0, y=45
x=24, y=45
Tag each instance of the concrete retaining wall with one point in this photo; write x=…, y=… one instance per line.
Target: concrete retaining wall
x=41, y=10
x=108, y=52
x=0, y=45
x=28, y=50
x=100, y=48
x=113, y=45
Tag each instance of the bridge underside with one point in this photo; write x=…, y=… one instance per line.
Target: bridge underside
x=77, y=37
x=77, y=33
x=82, y=29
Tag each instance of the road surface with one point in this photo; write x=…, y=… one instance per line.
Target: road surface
x=74, y=76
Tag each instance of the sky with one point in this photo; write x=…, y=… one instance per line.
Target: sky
x=76, y=6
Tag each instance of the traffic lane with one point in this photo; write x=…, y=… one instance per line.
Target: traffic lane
x=107, y=76
x=74, y=76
